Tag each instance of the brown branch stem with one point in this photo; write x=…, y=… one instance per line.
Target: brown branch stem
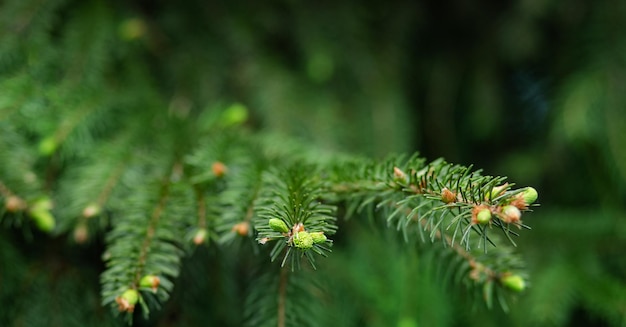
x=282, y=295
x=150, y=231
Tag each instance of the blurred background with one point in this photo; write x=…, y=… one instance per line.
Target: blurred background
x=530, y=89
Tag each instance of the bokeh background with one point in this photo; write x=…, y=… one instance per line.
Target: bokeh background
x=530, y=89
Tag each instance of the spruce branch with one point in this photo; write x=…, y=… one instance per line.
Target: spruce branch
x=144, y=244
x=92, y=188
x=439, y=196
x=292, y=197
x=225, y=168
x=485, y=272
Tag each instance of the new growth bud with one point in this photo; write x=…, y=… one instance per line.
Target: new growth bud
x=530, y=195
x=48, y=146
x=484, y=216
x=234, y=115
x=399, y=176
x=43, y=203
x=14, y=204
x=497, y=191
x=511, y=214
x=513, y=282
x=81, y=233
x=219, y=169
x=126, y=302
x=40, y=213
x=481, y=214
x=91, y=210
x=447, y=196
x=200, y=236
x=150, y=281
x=278, y=225
x=318, y=237
x=525, y=198
x=303, y=240
x=242, y=228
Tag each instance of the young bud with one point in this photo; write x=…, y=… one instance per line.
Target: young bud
x=278, y=225
x=126, y=302
x=81, y=233
x=43, y=219
x=303, y=240
x=497, y=191
x=14, y=204
x=318, y=237
x=48, y=146
x=530, y=195
x=481, y=214
x=91, y=210
x=234, y=115
x=511, y=214
x=150, y=281
x=399, y=176
x=484, y=216
x=447, y=196
x=219, y=169
x=513, y=282
x=200, y=236
x=242, y=228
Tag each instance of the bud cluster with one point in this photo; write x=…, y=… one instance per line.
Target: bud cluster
x=510, y=212
x=297, y=235
x=481, y=273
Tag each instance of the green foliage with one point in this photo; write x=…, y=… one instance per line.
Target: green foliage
x=293, y=197
x=161, y=139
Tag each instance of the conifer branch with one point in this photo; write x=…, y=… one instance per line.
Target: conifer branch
x=150, y=231
x=110, y=184
x=483, y=270
x=145, y=250
x=94, y=208
x=93, y=187
x=238, y=200
x=289, y=211
x=426, y=194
